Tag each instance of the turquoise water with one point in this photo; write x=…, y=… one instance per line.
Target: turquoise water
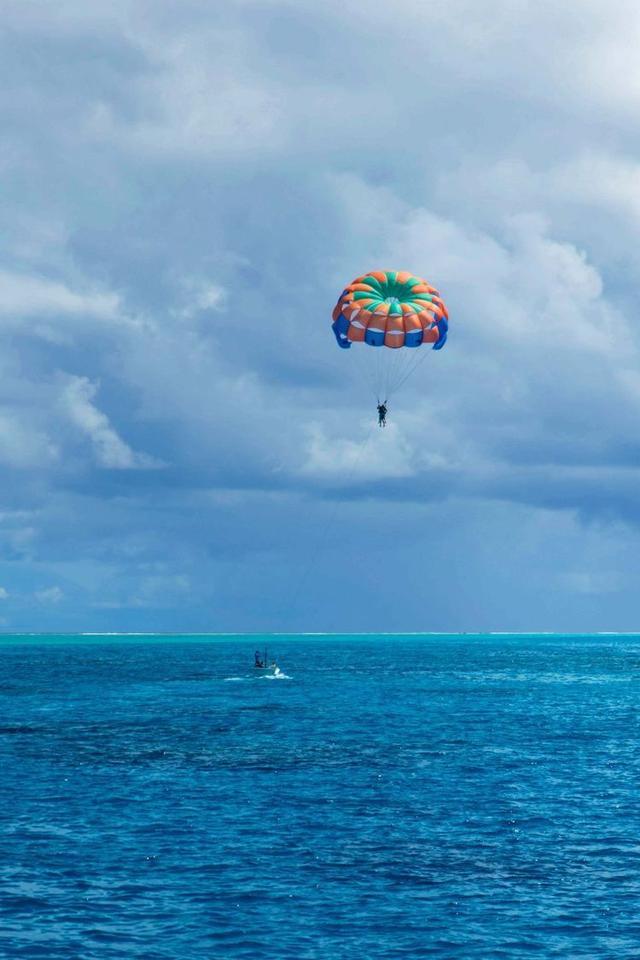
x=392, y=797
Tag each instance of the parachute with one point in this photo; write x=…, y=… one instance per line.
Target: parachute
x=393, y=310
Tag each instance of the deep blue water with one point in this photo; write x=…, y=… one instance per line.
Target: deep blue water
x=397, y=797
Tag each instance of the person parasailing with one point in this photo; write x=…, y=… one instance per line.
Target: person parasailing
x=390, y=317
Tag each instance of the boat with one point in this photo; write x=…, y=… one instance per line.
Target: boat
x=267, y=668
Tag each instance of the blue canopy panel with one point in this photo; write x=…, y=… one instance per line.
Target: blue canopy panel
x=340, y=327
x=443, y=327
x=413, y=338
x=375, y=338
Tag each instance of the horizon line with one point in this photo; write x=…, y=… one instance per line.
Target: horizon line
x=319, y=633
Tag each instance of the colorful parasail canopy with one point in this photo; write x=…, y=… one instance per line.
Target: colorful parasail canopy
x=390, y=308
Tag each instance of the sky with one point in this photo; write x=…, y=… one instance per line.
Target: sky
x=186, y=189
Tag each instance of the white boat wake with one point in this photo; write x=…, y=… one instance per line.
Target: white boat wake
x=276, y=675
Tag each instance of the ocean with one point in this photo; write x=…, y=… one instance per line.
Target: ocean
x=471, y=796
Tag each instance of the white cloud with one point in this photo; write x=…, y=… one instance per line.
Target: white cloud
x=49, y=595
x=376, y=454
x=543, y=51
x=593, y=193
x=200, y=296
x=109, y=449
x=26, y=295
x=194, y=104
x=22, y=444
x=4, y=595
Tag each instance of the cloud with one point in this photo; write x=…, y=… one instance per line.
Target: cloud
x=351, y=461
x=109, y=449
x=23, y=446
x=27, y=296
x=49, y=595
x=4, y=594
x=200, y=296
